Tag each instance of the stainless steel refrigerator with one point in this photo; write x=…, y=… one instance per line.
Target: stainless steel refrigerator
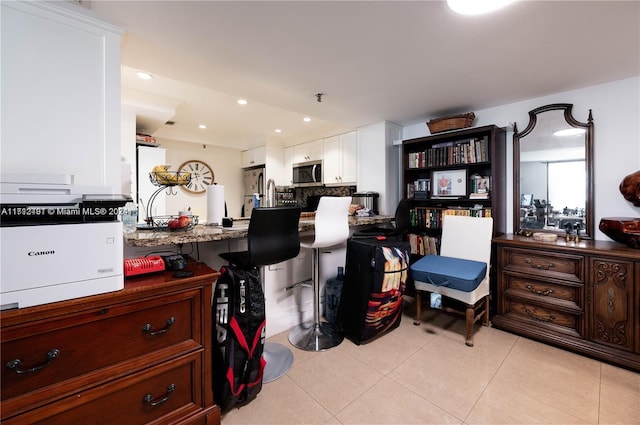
x=253, y=183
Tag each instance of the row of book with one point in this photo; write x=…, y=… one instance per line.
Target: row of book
x=451, y=153
x=479, y=188
x=431, y=218
x=423, y=244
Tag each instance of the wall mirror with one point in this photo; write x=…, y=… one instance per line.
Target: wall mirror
x=553, y=173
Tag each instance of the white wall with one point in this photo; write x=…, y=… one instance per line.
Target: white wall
x=616, y=112
x=226, y=168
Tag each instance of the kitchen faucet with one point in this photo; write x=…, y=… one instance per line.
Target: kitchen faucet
x=271, y=193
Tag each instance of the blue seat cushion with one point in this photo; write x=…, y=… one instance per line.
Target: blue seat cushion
x=455, y=273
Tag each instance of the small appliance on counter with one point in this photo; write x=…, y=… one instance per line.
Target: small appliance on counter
x=285, y=197
x=368, y=200
x=59, y=240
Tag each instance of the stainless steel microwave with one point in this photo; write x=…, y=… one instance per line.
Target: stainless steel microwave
x=307, y=174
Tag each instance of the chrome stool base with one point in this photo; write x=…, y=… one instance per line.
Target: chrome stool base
x=309, y=336
x=279, y=360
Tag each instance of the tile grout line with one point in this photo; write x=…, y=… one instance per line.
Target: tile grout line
x=492, y=378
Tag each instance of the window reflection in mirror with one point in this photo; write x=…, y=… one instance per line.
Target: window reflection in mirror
x=552, y=173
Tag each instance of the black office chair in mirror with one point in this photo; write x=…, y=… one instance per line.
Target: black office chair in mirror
x=553, y=173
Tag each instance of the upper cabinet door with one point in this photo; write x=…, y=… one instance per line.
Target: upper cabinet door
x=254, y=157
x=332, y=161
x=70, y=114
x=340, y=159
x=311, y=151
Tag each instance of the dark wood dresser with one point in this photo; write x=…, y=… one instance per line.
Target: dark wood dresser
x=584, y=296
x=135, y=356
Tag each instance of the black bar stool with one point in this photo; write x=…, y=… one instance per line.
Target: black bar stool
x=273, y=237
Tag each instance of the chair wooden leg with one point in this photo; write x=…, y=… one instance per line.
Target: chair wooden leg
x=418, y=304
x=485, y=316
x=470, y=314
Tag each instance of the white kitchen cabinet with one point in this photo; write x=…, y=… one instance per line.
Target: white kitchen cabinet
x=286, y=307
x=254, y=157
x=60, y=93
x=340, y=159
x=289, y=160
x=311, y=151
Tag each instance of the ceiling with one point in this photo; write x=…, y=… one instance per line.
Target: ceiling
x=398, y=61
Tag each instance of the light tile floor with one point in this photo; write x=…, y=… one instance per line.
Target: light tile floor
x=427, y=375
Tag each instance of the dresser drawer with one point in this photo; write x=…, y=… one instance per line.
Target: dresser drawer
x=163, y=393
x=38, y=356
x=569, y=296
x=544, y=264
x=545, y=317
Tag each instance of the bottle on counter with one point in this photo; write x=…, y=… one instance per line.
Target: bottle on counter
x=333, y=292
x=129, y=217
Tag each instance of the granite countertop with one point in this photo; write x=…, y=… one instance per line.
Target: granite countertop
x=204, y=233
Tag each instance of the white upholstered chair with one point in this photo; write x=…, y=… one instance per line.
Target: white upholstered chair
x=466, y=238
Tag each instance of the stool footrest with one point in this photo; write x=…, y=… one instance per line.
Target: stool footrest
x=308, y=282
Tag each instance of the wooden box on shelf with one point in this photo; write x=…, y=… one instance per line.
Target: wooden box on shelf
x=453, y=122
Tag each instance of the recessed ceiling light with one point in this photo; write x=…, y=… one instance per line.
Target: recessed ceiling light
x=144, y=75
x=476, y=7
x=202, y=126
x=242, y=102
x=306, y=119
x=278, y=130
x=569, y=132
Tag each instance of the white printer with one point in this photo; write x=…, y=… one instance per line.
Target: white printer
x=58, y=241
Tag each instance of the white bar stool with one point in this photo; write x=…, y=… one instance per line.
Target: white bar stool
x=331, y=228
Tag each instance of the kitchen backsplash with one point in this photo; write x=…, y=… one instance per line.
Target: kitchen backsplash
x=303, y=193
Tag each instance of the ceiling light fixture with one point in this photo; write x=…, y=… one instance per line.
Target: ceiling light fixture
x=277, y=130
x=306, y=119
x=242, y=102
x=144, y=75
x=477, y=7
x=202, y=126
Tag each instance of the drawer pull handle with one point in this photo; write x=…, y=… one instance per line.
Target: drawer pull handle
x=539, y=266
x=17, y=363
x=551, y=317
x=148, y=328
x=149, y=400
x=542, y=293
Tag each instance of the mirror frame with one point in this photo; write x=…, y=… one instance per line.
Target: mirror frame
x=568, y=116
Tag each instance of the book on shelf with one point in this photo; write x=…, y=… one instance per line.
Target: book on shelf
x=476, y=195
x=446, y=197
x=423, y=244
x=480, y=184
x=419, y=189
